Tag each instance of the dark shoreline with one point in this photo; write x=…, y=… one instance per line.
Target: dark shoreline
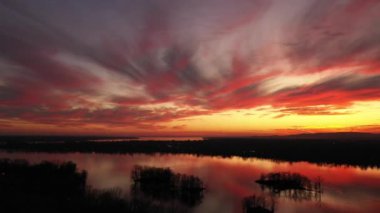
x=344, y=151
x=62, y=187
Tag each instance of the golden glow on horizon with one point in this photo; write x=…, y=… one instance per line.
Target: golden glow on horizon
x=263, y=120
x=361, y=116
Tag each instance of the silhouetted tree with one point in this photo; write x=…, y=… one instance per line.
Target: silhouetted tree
x=258, y=204
x=291, y=185
x=163, y=184
x=61, y=188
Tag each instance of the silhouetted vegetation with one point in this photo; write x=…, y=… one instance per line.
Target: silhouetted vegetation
x=48, y=187
x=358, y=151
x=44, y=179
x=258, y=204
x=163, y=184
x=291, y=185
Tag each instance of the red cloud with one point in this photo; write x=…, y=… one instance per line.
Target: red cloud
x=157, y=48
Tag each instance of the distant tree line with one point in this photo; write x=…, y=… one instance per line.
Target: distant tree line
x=362, y=153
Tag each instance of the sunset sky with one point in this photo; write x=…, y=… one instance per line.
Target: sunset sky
x=189, y=67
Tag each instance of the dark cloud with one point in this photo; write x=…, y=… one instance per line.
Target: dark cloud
x=139, y=30
x=120, y=116
x=312, y=110
x=336, y=34
x=7, y=93
x=340, y=91
x=347, y=83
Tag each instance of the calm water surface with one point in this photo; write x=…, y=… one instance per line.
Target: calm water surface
x=229, y=180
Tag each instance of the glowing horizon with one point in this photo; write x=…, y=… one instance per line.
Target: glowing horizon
x=189, y=68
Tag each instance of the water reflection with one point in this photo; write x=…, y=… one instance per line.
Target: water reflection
x=230, y=180
x=258, y=204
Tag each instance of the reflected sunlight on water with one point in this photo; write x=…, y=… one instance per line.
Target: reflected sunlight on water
x=229, y=180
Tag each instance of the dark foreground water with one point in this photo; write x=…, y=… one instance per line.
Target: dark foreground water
x=230, y=180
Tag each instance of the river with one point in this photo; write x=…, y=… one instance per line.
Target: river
x=229, y=180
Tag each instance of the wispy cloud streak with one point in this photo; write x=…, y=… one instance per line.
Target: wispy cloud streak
x=143, y=63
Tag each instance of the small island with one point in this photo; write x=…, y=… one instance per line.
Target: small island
x=291, y=185
x=163, y=184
